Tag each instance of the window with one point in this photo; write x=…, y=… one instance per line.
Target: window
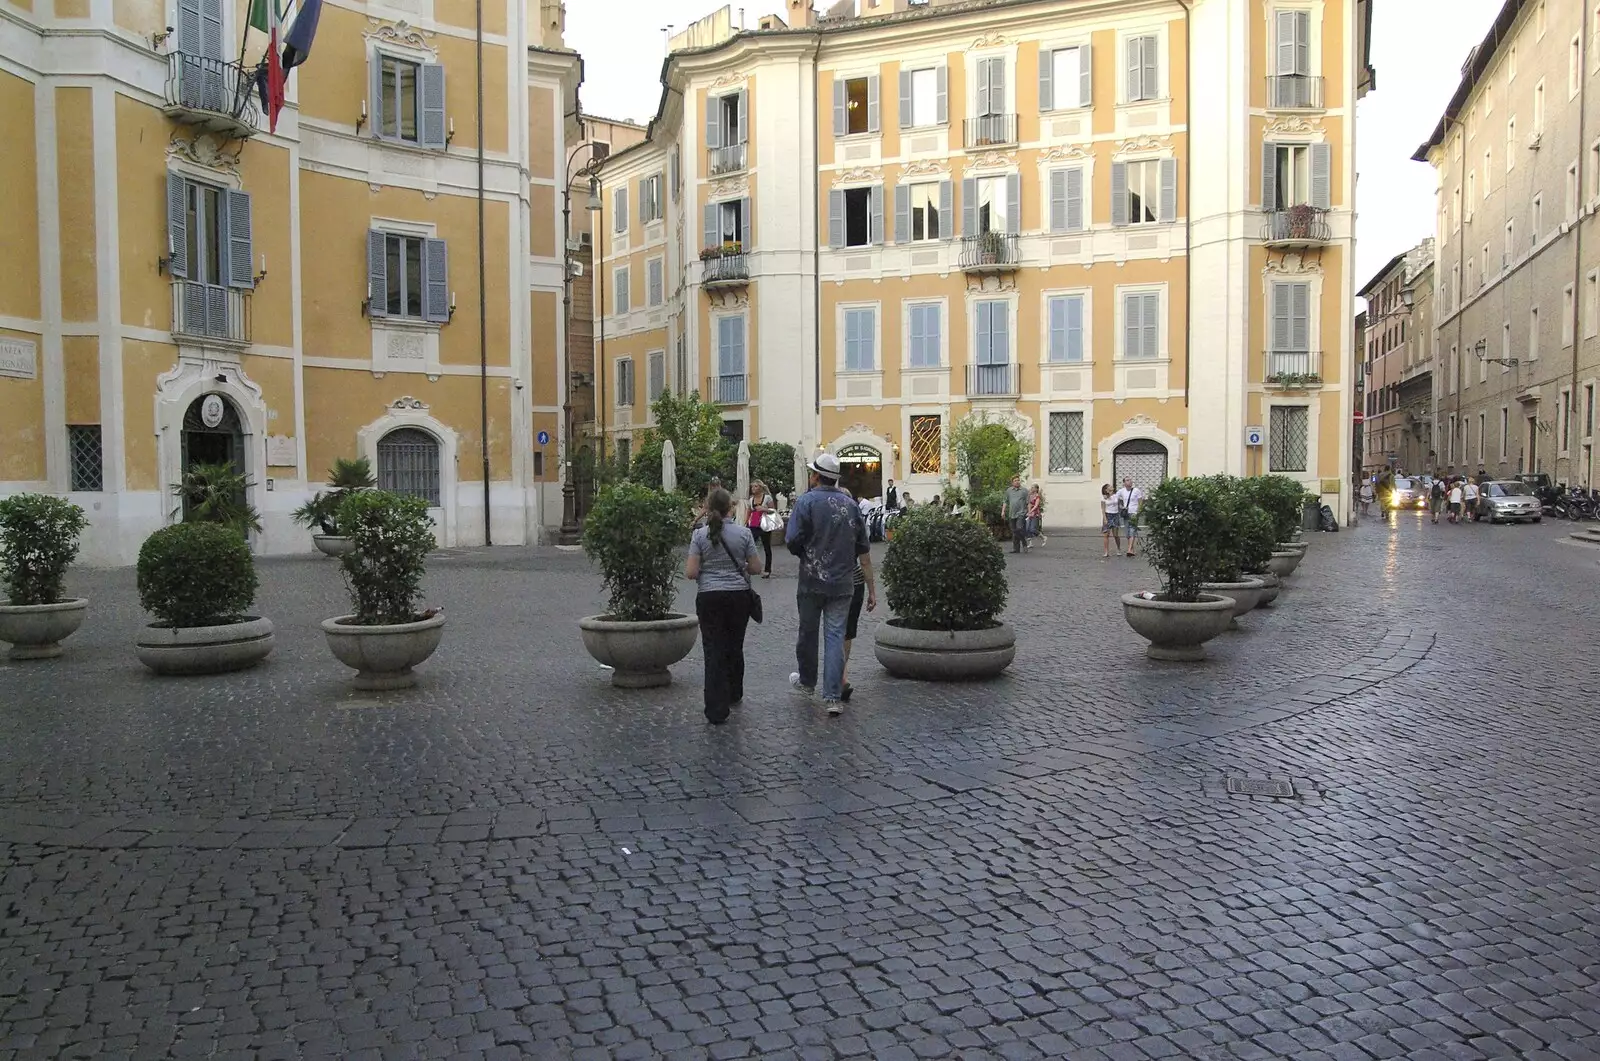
x=1511, y=64
x=926, y=203
x=726, y=132
x=1510, y=253
x=1290, y=353
x=1455, y=209
x=408, y=463
x=860, y=222
x=538, y=464
x=1065, y=318
x=1483, y=259
x=625, y=381
x=991, y=371
x=653, y=282
x=855, y=106
x=927, y=444
x=650, y=200
x=1533, y=334
x=1511, y=144
x=684, y=384
x=1539, y=18
x=1143, y=76
x=675, y=171
x=87, y=464
x=1572, y=191
x=1065, y=79
x=1538, y=219
x=1455, y=285
x=409, y=102
x=729, y=383
x=620, y=278
x=1566, y=316
x=619, y=210
x=926, y=323
x=625, y=452
x=727, y=224
x=1066, y=443
x=1591, y=305
x=1066, y=200
x=209, y=250
x=1574, y=67
x=860, y=339
x=1470, y=265
x=1143, y=193
x=1452, y=447
x=924, y=97
x=1594, y=170
x=1288, y=435
x=1538, y=109
x=1480, y=437
x=732, y=120
x=1488, y=172
x=1505, y=431
x=1472, y=191
x=408, y=277
x=657, y=360
x=1455, y=369
x=1298, y=174
x=1293, y=32
x=1141, y=325
x=994, y=209
x=991, y=89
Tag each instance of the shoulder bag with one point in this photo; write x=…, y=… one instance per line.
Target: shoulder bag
x=755, y=598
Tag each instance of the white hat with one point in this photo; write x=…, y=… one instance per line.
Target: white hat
x=826, y=465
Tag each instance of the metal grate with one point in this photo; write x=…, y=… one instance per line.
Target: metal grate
x=1256, y=786
x=1289, y=437
x=927, y=445
x=1066, y=443
x=83, y=446
x=408, y=463
x=1144, y=460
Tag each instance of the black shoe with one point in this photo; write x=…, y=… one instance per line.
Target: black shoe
x=844, y=694
x=716, y=719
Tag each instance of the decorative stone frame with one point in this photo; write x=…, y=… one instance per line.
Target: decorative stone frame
x=194, y=376
x=413, y=412
x=1138, y=426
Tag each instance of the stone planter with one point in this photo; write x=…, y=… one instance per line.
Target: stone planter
x=334, y=545
x=945, y=655
x=639, y=653
x=1246, y=594
x=36, y=631
x=383, y=656
x=1272, y=585
x=1177, y=630
x=1296, y=546
x=205, y=649
x=1283, y=563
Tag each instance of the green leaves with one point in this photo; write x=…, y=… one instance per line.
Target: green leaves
x=322, y=511
x=39, y=537
x=701, y=453
x=215, y=493
x=987, y=453
x=634, y=533
x=1283, y=499
x=391, y=536
x=944, y=572
x=1211, y=529
x=196, y=574
x=773, y=464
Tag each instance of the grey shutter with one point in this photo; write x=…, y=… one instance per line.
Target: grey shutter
x=1013, y=202
x=1285, y=42
x=213, y=91
x=713, y=233
x=1322, y=176
x=1300, y=316
x=905, y=99
x=1057, y=339
x=983, y=86
x=189, y=27
x=836, y=218
x=744, y=224
x=902, y=213
x=1169, y=189
x=1302, y=42
x=619, y=207
x=676, y=168
x=1075, y=199
x=644, y=200
x=875, y=215
x=1132, y=326
x=430, y=90
x=375, y=104
x=1000, y=335
x=241, y=271
x=997, y=86
x=1058, y=200
x=1152, y=325
x=947, y=219
x=744, y=117
x=841, y=110
x=1151, y=79
x=1135, y=68
x=872, y=104
x=985, y=333
x=1085, y=76
x=1074, y=328
x=377, y=274
x=713, y=122
x=1119, y=193
x=1047, y=95
x=435, y=281
x=1269, y=177
x=1280, y=318
x=969, y=207
x=942, y=90
x=177, y=226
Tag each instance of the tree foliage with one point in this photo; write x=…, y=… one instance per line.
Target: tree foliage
x=196, y=574
x=701, y=452
x=773, y=464
x=944, y=572
x=390, y=535
x=634, y=533
x=1183, y=523
x=988, y=453
x=39, y=537
x=215, y=493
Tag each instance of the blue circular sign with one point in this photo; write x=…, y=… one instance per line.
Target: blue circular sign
x=544, y=438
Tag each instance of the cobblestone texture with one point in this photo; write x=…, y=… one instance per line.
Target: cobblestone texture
x=516, y=860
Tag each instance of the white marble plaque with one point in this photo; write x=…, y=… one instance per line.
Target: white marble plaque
x=19, y=358
x=281, y=451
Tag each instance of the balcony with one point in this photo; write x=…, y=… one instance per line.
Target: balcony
x=724, y=270
x=213, y=94
x=990, y=130
x=991, y=252
x=210, y=313
x=728, y=389
x=1294, y=369
x=1294, y=92
x=994, y=381
x=729, y=159
x=1298, y=226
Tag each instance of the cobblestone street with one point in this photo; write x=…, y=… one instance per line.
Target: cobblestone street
x=515, y=860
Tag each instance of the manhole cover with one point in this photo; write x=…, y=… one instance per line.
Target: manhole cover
x=1255, y=786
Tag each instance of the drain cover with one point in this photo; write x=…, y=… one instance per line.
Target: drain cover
x=1255, y=786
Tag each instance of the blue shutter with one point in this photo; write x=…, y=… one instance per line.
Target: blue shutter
x=1169, y=189
x=216, y=310
x=178, y=226
x=1322, y=176
x=905, y=99
x=872, y=104
x=947, y=219
x=985, y=333
x=435, y=281
x=430, y=107
x=712, y=233
x=1013, y=202
x=875, y=215
x=1000, y=335
x=841, y=109
x=836, y=217
x=1280, y=317
x=1057, y=349
x=1047, y=95
x=1300, y=316
x=376, y=103
x=738, y=346
x=241, y=270
x=902, y=213
x=1132, y=326
x=214, y=92
x=1074, y=323
x=743, y=131
x=377, y=274
x=942, y=102
x=1119, y=194
x=1075, y=218
x=969, y=207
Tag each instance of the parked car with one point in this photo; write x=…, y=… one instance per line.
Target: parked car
x=1507, y=500
x=1407, y=493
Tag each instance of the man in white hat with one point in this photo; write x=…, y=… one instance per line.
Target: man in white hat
x=827, y=533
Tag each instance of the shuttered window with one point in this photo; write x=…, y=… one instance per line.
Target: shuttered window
x=625, y=381
x=407, y=277
x=1141, y=325
x=1066, y=78
x=924, y=97
x=408, y=463
x=408, y=101
x=209, y=236
x=860, y=339
x=1065, y=318
x=926, y=325
x=1144, y=81
x=619, y=290
x=994, y=333
x=654, y=284
x=658, y=374
x=1066, y=200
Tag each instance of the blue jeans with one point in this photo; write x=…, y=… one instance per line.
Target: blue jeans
x=833, y=612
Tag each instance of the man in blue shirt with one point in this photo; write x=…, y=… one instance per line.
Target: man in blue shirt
x=827, y=533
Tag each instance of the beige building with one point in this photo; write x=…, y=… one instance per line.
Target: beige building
x=1517, y=277
x=1397, y=366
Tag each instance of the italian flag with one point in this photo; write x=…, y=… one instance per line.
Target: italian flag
x=265, y=17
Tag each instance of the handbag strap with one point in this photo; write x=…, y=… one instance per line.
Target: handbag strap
x=742, y=568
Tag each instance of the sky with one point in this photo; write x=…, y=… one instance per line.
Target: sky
x=1418, y=47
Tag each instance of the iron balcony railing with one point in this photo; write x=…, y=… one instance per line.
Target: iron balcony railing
x=991, y=130
x=728, y=388
x=727, y=270
x=991, y=252
x=1294, y=92
x=727, y=159
x=215, y=94
x=994, y=380
x=1294, y=368
x=1297, y=226
x=210, y=311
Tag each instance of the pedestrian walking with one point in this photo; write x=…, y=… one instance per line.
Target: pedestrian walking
x=1014, y=509
x=1109, y=522
x=865, y=593
x=1129, y=498
x=1455, y=496
x=1036, y=514
x=722, y=557
x=1469, y=500
x=1436, y=496
x=763, y=517
x=1367, y=494
x=827, y=533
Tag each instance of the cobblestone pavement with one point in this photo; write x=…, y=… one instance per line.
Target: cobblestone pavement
x=515, y=860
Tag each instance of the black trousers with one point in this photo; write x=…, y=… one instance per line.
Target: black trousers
x=724, y=616
x=766, y=547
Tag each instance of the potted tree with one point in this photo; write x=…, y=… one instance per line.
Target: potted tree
x=321, y=513
x=946, y=581
x=634, y=533
x=199, y=580
x=385, y=635
x=39, y=538
x=1281, y=498
x=990, y=246
x=1182, y=522
x=1300, y=217
x=215, y=493
x=1245, y=547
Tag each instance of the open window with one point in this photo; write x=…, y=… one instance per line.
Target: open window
x=855, y=216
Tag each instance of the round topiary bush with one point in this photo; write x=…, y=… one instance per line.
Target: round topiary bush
x=634, y=533
x=196, y=574
x=39, y=537
x=944, y=572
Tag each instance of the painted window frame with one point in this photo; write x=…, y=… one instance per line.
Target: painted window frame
x=908, y=308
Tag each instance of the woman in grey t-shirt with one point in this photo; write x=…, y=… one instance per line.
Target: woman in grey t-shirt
x=722, y=557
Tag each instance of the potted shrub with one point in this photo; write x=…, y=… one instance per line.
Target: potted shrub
x=386, y=635
x=1246, y=545
x=1280, y=497
x=991, y=245
x=321, y=513
x=1300, y=218
x=199, y=580
x=39, y=537
x=946, y=582
x=215, y=493
x=1182, y=523
x=635, y=533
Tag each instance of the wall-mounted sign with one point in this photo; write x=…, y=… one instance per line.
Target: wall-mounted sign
x=19, y=358
x=211, y=410
x=1254, y=436
x=281, y=451
x=544, y=438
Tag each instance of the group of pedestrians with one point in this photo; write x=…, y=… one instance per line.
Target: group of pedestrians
x=1119, y=512
x=1458, y=497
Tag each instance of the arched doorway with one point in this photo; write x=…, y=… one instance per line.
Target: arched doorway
x=861, y=471
x=212, y=435
x=408, y=463
x=1144, y=460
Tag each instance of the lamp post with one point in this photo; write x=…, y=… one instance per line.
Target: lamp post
x=569, y=487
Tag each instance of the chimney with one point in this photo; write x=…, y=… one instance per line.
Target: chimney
x=801, y=14
x=772, y=22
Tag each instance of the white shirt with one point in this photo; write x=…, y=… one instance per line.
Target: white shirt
x=1113, y=504
x=1455, y=494
x=1470, y=491
x=1131, y=497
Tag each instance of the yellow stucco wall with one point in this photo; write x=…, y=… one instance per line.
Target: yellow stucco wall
x=72, y=8
x=142, y=17
x=264, y=170
x=142, y=362
x=142, y=136
x=22, y=452
x=541, y=133
x=275, y=376
x=19, y=242
x=460, y=13
x=75, y=182
x=80, y=357
x=542, y=205
x=544, y=309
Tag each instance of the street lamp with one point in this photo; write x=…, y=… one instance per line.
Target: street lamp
x=596, y=155
x=1483, y=346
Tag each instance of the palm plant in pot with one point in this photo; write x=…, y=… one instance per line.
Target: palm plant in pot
x=321, y=513
x=946, y=581
x=1182, y=522
x=199, y=580
x=215, y=493
x=387, y=633
x=635, y=533
x=1246, y=545
x=39, y=537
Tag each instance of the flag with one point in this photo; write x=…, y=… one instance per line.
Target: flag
x=297, y=49
x=265, y=17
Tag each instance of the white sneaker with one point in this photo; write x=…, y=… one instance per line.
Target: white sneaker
x=835, y=707
x=794, y=683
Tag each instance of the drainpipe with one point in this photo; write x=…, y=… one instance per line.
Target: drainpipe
x=816, y=241
x=1564, y=416
x=598, y=256
x=1188, y=213
x=483, y=298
